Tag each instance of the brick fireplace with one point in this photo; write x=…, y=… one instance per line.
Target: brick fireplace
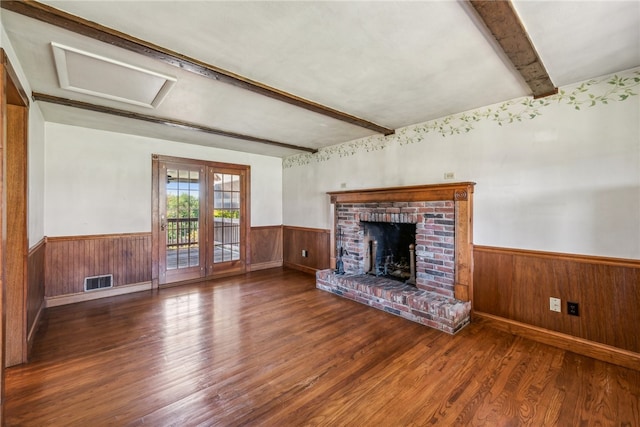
x=439, y=293
x=434, y=238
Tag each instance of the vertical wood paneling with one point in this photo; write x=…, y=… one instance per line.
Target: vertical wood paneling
x=70, y=259
x=314, y=241
x=491, y=272
x=266, y=247
x=35, y=287
x=517, y=284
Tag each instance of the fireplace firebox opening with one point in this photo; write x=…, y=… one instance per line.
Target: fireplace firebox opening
x=390, y=250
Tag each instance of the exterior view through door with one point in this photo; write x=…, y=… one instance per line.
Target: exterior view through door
x=201, y=218
x=226, y=217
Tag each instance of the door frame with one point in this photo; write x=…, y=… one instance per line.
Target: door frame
x=14, y=125
x=241, y=267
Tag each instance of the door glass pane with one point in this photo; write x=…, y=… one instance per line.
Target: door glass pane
x=182, y=222
x=217, y=191
x=226, y=217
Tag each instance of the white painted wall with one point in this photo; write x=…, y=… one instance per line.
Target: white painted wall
x=567, y=180
x=99, y=182
x=35, y=208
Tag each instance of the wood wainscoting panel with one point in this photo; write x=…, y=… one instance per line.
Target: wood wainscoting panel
x=70, y=259
x=35, y=289
x=266, y=247
x=516, y=285
x=314, y=241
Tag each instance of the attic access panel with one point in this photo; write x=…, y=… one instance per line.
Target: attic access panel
x=96, y=75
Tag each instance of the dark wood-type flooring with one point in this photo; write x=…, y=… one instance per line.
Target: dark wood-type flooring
x=268, y=349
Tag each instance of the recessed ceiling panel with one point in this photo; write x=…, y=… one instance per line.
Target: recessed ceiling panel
x=92, y=74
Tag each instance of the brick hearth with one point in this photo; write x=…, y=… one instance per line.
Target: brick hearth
x=392, y=296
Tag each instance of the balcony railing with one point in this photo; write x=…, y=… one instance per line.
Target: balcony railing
x=183, y=241
x=182, y=232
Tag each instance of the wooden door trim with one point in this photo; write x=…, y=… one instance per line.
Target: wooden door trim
x=11, y=93
x=207, y=163
x=155, y=221
x=14, y=93
x=15, y=206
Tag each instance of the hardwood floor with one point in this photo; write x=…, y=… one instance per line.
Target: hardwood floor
x=269, y=349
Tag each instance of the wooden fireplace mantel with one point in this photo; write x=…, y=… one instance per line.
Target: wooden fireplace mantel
x=414, y=193
x=460, y=192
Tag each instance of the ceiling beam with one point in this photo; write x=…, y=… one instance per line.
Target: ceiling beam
x=162, y=121
x=53, y=16
x=502, y=20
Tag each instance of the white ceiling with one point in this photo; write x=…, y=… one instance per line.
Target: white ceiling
x=391, y=63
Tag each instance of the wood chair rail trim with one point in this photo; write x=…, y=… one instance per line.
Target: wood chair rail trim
x=589, y=259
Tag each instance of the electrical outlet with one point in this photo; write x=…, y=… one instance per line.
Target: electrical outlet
x=305, y=253
x=573, y=309
x=449, y=175
x=554, y=304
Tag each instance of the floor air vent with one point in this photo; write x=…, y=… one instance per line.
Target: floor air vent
x=98, y=282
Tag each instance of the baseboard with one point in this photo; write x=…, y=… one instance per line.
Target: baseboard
x=103, y=293
x=588, y=348
x=299, y=267
x=34, y=328
x=265, y=265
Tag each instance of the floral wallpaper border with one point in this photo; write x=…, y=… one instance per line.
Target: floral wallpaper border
x=616, y=88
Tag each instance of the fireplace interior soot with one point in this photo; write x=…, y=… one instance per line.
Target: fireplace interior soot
x=390, y=250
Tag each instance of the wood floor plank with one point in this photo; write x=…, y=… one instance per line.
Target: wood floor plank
x=269, y=349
